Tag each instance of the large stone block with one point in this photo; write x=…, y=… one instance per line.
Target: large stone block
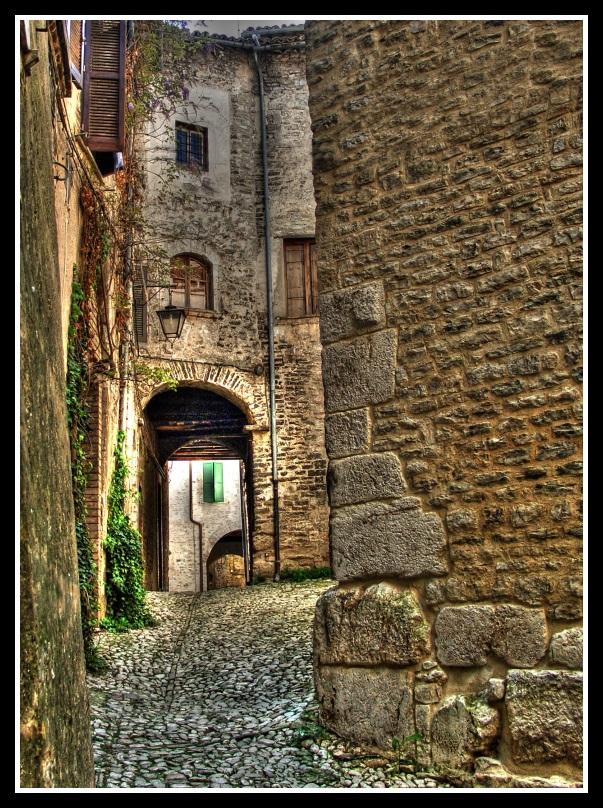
x=566, y=648
x=396, y=540
x=461, y=729
x=464, y=635
x=364, y=478
x=544, y=710
x=374, y=626
x=347, y=433
x=366, y=705
x=359, y=372
x=347, y=312
x=520, y=635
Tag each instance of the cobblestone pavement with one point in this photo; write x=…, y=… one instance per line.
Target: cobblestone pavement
x=219, y=694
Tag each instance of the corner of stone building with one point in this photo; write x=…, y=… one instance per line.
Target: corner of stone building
x=451, y=368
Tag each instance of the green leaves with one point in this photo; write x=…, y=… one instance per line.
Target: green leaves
x=126, y=596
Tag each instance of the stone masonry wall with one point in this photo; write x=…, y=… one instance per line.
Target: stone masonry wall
x=447, y=171
x=56, y=743
x=220, y=215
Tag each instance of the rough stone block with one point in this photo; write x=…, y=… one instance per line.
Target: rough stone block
x=428, y=693
x=364, y=478
x=386, y=541
x=347, y=433
x=544, y=710
x=365, y=705
x=347, y=312
x=378, y=625
x=520, y=635
x=464, y=635
x=359, y=372
x=566, y=648
x=461, y=729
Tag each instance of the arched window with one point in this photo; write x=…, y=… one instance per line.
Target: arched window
x=190, y=283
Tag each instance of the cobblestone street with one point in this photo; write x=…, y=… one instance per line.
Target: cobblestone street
x=220, y=695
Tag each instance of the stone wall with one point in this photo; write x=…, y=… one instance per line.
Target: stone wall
x=56, y=745
x=447, y=168
x=219, y=215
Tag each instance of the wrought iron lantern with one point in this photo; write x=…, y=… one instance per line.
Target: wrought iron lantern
x=172, y=320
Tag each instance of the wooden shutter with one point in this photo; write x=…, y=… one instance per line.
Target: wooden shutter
x=301, y=277
x=104, y=82
x=140, y=304
x=75, y=46
x=218, y=482
x=213, y=482
x=294, y=268
x=313, y=301
x=208, y=482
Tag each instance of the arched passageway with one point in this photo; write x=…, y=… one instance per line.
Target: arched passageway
x=226, y=562
x=194, y=486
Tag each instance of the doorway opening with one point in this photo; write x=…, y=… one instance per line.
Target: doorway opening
x=194, y=492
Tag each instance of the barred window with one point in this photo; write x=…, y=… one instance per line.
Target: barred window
x=191, y=145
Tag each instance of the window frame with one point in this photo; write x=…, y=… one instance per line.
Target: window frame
x=309, y=277
x=189, y=130
x=201, y=264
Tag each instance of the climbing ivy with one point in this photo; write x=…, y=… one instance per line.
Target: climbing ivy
x=78, y=421
x=127, y=606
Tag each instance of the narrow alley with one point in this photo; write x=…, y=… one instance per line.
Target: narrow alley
x=219, y=694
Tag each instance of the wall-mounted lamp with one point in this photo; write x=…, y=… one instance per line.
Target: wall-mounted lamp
x=172, y=320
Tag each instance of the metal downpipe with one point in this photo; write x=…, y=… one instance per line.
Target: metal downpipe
x=270, y=318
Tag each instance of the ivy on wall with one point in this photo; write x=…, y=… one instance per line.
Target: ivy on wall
x=78, y=420
x=127, y=606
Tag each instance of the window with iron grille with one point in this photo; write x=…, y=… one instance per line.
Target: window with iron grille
x=300, y=277
x=190, y=283
x=191, y=145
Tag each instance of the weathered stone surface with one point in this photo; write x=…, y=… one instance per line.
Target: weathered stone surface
x=347, y=312
x=544, y=710
x=464, y=635
x=566, y=648
x=366, y=705
x=386, y=540
x=347, y=433
x=462, y=728
x=490, y=773
x=377, y=625
x=520, y=635
x=364, y=478
x=428, y=693
x=494, y=691
x=359, y=372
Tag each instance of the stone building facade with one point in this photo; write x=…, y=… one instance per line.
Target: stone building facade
x=227, y=192
x=447, y=160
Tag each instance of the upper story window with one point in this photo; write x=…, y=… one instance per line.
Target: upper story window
x=190, y=283
x=300, y=277
x=191, y=145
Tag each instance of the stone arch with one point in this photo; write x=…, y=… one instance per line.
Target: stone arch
x=244, y=389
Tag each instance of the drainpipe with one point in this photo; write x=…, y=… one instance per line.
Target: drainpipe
x=195, y=522
x=128, y=285
x=277, y=552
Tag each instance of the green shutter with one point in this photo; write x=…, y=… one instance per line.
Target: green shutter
x=213, y=482
x=218, y=483
x=208, y=482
